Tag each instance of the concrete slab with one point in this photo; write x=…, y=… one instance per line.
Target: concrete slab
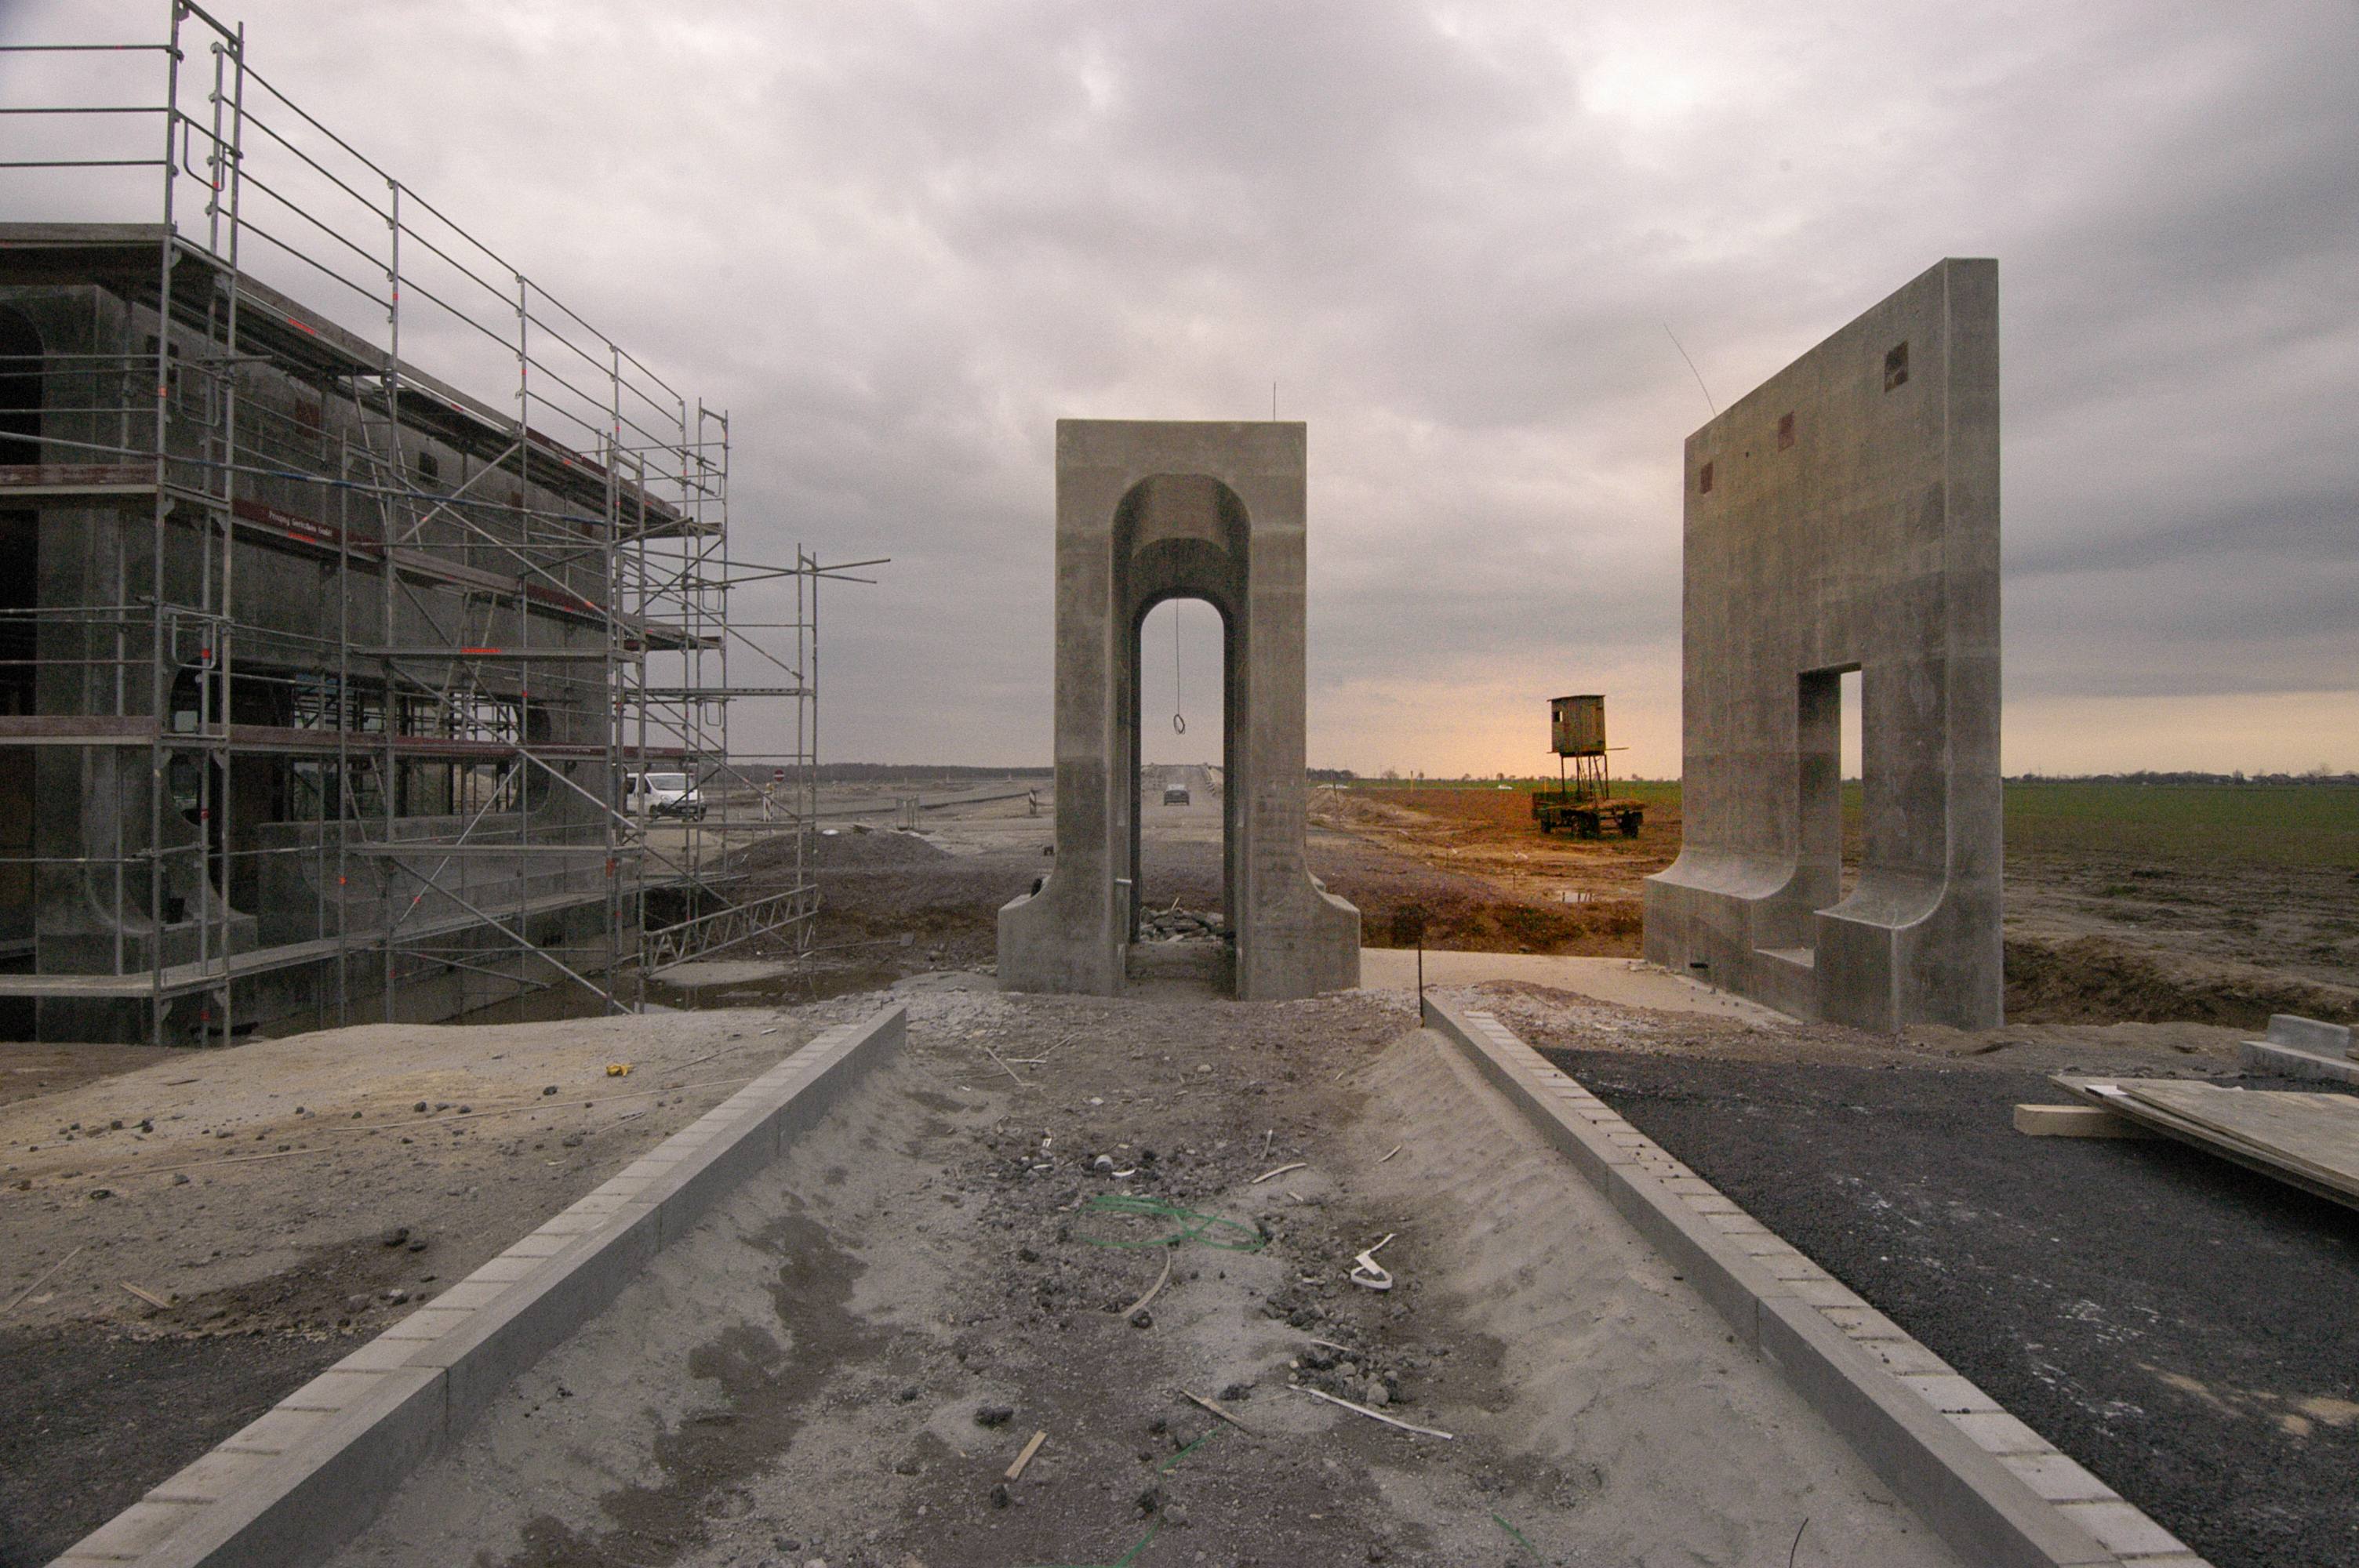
x=1615, y=980
x=2292, y=1062
x=2308, y=1034
x=704, y=974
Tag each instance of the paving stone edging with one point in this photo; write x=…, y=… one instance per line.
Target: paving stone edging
x=1993, y=1489
x=308, y=1474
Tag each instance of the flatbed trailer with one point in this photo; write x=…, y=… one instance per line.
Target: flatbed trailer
x=1585, y=816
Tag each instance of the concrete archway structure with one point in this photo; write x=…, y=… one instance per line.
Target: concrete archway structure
x=1149, y=511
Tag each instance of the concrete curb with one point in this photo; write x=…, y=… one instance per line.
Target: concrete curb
x=2289, y=1062
x=1991, y=1489
x=309, y=1474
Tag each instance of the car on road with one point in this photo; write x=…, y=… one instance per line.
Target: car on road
x=1176, y=795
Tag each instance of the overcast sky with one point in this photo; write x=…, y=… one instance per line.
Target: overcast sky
x=897, y=241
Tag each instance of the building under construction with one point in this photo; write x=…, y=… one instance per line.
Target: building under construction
x=322, y=680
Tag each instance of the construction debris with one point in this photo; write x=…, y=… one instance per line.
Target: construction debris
x=1371, y=1415
x=1015, y=1471
x=1367, y=1273
x=1216, y=1410
x=44, y=1279
x=1154, y=1289
x=2075, y=1122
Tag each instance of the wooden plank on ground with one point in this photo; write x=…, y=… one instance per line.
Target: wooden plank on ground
x=2313, y=1145
x=2076, y=1121
x=2318, y=1132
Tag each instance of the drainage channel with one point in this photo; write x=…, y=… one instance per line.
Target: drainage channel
x=832, y=1322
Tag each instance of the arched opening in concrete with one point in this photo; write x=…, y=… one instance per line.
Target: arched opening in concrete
x=1181, y=541
x=1150, y=511
x=1183, y=832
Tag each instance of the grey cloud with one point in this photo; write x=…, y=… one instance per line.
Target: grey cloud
x=899, y=241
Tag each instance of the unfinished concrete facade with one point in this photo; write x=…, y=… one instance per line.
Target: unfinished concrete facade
x=1844, y=516
x=1146, y=512
x=323, y=681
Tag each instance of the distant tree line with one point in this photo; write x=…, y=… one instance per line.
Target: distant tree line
x=2315, y=776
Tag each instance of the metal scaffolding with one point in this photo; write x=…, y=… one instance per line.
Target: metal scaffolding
x=326, y=683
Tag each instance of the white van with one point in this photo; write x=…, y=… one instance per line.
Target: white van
x=662, y=795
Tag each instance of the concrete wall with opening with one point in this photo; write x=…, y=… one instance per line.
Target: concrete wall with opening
x=1843, y=519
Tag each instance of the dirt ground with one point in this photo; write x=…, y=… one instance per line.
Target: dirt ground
x=277, y=1226
x=842, y=1367
x=186, y=1235
x=2114, y=930
x=897, y=904
x=1530, y=892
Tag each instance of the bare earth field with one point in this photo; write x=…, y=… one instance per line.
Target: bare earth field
x=2213, y=904
x=281, y=1199
x=2217, y=902
x=2207, y=904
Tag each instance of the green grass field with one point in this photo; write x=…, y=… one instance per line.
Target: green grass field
x=2217, y=824
x=2258, y=825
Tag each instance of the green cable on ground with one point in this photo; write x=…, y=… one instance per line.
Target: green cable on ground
x=1193, y=1225
x=1126, y=1560
x=1165, y=1468
x=1131, y=1556
x=1518, y=1534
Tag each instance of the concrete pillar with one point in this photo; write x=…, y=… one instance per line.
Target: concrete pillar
x=1146, y=512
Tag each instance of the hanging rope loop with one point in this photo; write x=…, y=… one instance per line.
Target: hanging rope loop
x=1178, y=723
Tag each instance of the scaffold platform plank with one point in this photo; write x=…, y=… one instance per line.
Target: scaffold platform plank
x=469, y=656
x=60, y=480
x=190, y=980
x=266, y=739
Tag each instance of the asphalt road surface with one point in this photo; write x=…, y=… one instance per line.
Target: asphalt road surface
x=2181, y=1326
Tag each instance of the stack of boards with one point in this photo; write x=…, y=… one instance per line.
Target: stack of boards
x=2308, y=1140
